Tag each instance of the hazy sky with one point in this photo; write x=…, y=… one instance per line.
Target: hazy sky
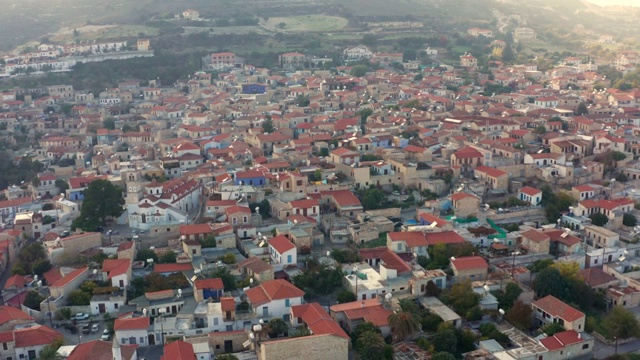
x=616, y=2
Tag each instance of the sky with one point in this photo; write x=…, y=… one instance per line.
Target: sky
x=616, y=2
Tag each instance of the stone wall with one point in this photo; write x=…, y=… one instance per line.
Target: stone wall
x=321, y=347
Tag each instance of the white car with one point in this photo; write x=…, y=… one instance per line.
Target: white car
x=95, y=328
x=105, y=335
x=81, y=316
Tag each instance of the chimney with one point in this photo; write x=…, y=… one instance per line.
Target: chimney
x=362, y=304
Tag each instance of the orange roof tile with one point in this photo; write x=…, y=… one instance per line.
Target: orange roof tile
x=140, y=323
x=558, y=308
x=273, y=290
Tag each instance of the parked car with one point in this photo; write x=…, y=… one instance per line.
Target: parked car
x=65, y=234
x=80, y=317
x=71, y=328
x=105, y=335
x=95, y=328
x=86, y=329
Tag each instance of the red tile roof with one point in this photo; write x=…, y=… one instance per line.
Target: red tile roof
x=561, y=340
x=431, y=219
x=273, y=290
x=344, y=198
x=16, y=281
x=467, y=153
x=469, y=263
x=368, y=310
x=490, y=171
x=557, y=308
x=317, y=320
x=8, y=313
x=172, y=268
x=582, y=188
x=227, y=304
x=412, y=239
x=178, y=350
x=535, y=235
x=390, y=259
x=100, y=350
x=65, y=280
x=462, y=195
x=115, y=267
x=443, y=237
x=140, y=323
x=34, y=336
x=215, y=283
x=281, y=244
x=125, y=246
x=528, y=190
x=195, y=229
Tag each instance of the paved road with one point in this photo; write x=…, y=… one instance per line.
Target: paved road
x=602, y=350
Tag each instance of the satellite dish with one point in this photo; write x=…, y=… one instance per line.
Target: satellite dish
x=261, y=321
x=39, y=283
x=144, y=312
x=486, y=288
x=501, y=312
x=388, y=296
x=179, y=292
x=95, y=271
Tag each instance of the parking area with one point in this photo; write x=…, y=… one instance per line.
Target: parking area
x=71, y=338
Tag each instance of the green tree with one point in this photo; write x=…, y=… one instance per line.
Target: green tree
x=370, y=40
x=145, y=254
x=228, y=280
x=409, y=305
x=622, y=177
x=629, y=219
x=462, y=297
x=208, y=242
x=550, y=282
x=621, y=323
x=226, y=357
x=346, y=296
x=403, y=325
x=582, y=109
x=33, y=300
x=277, y=326
x=267, y=125
x=62, y=185
x=370, y=345
x=598, y=219
x=50, y=352
x=507, y=297
x=78, y=298
x=63, y=314
x=373, y=198
x=109, y=123
x=540, y=130
x=552, y=328
x=228, y=259
x=302, y=101
x=540, y=265
x=359, y=70
x=445, y=339
x=430, y=322
x=168, y=257
x=432, y=289
x=362, y=328
x=102, y=199
x=364, y=114
x=443, y=355
x=519, y=315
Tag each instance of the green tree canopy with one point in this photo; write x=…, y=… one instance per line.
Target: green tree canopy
x=403, y=325
x=621, y=324
x=519, y=315
x=109, y=123
x=370, y=345
x=33, y=300
x=102, y=199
